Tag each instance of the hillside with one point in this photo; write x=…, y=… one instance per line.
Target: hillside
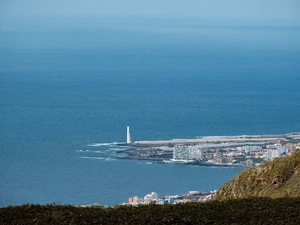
x=275, y=179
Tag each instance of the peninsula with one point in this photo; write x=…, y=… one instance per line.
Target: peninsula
x=243, y=150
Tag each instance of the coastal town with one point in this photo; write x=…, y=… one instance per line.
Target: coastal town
x=152, y=198
x=218, y=151
x=227, y=151
x=241, y=151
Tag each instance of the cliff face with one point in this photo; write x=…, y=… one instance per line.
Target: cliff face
x=275, y=179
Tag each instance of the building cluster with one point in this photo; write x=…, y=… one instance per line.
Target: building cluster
x=189, y=152
x=152, y=198
x=248, y=155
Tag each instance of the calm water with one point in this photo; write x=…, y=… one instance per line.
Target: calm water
x=66, y=85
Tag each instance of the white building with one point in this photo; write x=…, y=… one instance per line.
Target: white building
x=187, y=152
x=134, y=200
x=150, y=197
x=249, y=148
x=272, y=154
x=275, y=151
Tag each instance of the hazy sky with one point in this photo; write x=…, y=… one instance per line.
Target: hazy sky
x=231, y=9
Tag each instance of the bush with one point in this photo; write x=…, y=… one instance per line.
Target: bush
x=237, y=211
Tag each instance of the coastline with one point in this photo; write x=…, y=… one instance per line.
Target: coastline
x=215, y=150
x=197, y=163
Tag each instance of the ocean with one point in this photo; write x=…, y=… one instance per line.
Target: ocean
x=69, y=87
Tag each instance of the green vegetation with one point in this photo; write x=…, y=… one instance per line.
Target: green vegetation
x=238, y=211
x=275, y=179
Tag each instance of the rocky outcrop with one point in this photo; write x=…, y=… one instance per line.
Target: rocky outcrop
x=278, y=178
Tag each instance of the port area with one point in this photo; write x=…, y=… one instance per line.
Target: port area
x=227, y=151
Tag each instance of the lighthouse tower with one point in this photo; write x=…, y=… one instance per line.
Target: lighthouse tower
x=128, y=136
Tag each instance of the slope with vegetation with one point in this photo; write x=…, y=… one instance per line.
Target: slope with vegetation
x=275, y=179
x=238, y=211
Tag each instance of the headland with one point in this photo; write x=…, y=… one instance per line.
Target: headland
x=243, y=150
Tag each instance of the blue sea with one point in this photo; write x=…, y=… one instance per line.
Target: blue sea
x=70, y=86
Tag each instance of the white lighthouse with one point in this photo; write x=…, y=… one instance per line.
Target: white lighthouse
x=128, y=135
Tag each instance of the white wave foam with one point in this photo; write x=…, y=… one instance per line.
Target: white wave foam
x=84, y=157
x=106, y=144
x=93, y=151
x=99, y=158
x=99, y=144
x=82, y=150
x=118, y=143
x=110, y=159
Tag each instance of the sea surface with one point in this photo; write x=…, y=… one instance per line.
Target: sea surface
x=70, y=86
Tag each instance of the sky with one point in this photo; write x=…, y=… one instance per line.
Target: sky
x=217, y=9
